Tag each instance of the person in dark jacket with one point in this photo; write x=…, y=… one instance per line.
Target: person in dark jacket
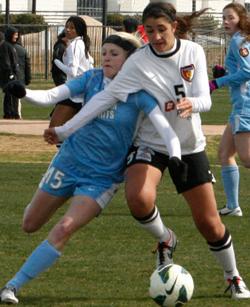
x=8, y=70
x=58, y=76
x=24, y=68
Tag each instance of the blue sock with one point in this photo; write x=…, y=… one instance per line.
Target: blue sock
x=41, y=259
x=231, y=178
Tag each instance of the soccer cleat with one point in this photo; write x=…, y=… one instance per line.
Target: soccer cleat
x=165, y=251
x=234, y=212
x=8, y=295
x=238, y=288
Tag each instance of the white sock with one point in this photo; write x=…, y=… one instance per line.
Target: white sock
x=224, y=253
x=154, y=225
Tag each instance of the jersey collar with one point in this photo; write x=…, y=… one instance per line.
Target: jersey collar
x=167, y=55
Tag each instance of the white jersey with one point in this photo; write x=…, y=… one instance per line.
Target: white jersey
x=75, y=62
x=168, y=77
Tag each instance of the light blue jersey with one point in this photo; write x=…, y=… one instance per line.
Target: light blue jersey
x=93, y=158
x=238, y=66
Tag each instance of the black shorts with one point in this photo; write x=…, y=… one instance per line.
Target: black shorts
x=198, y=166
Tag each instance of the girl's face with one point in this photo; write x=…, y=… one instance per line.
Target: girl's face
x=230, y=21
x=113, y=58
x=70, y=30
x=14, y=37
x=160, y=33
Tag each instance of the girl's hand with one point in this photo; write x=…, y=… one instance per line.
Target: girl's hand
x=50, y=136
x=184, y=107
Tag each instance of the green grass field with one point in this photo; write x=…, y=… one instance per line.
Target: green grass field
x=109, y=262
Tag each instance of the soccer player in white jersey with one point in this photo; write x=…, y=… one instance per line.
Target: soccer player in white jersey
x=236, y=137
x=90, y=164
x=175, y=72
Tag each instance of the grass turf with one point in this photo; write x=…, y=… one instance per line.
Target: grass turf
x=109, y=262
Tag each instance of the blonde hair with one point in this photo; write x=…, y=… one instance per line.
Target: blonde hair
x=131, y=38
x=126, y=41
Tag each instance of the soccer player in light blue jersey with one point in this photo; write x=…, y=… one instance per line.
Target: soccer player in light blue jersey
x=236, y=137
x=90, y=164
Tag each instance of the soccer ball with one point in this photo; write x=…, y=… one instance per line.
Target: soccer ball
x=171, y=285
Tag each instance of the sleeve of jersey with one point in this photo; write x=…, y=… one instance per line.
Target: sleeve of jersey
x=72, y=59
x=200, y=96
x=166, y=132
x=68, y=70
x=126, y=82
x=77, y=86
x=96, y=105
x=242, y=59
x=48, y=97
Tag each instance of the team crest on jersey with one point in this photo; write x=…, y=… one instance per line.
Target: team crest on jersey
x=244, y=52
x=187, y=72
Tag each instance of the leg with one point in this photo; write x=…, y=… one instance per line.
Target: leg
x=61, y=114
x=81, y=211
x=140, y=188
x=242, y=144
x=15, y=103
x=20, y=108
x=7, y=106
x=230, y=173
x=42, y=206
x=203, y=206
x=202, y=203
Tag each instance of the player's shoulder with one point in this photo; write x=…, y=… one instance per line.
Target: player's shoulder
x=239, y=40
x=93, y=73
x=138, y=53
x=190, y=44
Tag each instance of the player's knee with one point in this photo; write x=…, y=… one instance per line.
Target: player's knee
x=140, y=204
x=30, y=223
x=245, y=161
x=211, y=229
x=223, y=156
x=29, y=226
x=139, y=198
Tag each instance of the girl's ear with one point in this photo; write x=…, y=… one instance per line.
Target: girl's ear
x=174, y=25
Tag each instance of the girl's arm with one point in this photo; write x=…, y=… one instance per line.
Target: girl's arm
x=177, y=168
x=241, y=69
x=75, y=51
x=200, y=99
x=48, y=97
x=166, y=132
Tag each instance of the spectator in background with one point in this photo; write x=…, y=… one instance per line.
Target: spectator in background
x=58, y=76
x=9, y=70
x=130, y=25
x=24, y=68
x=75, y=61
